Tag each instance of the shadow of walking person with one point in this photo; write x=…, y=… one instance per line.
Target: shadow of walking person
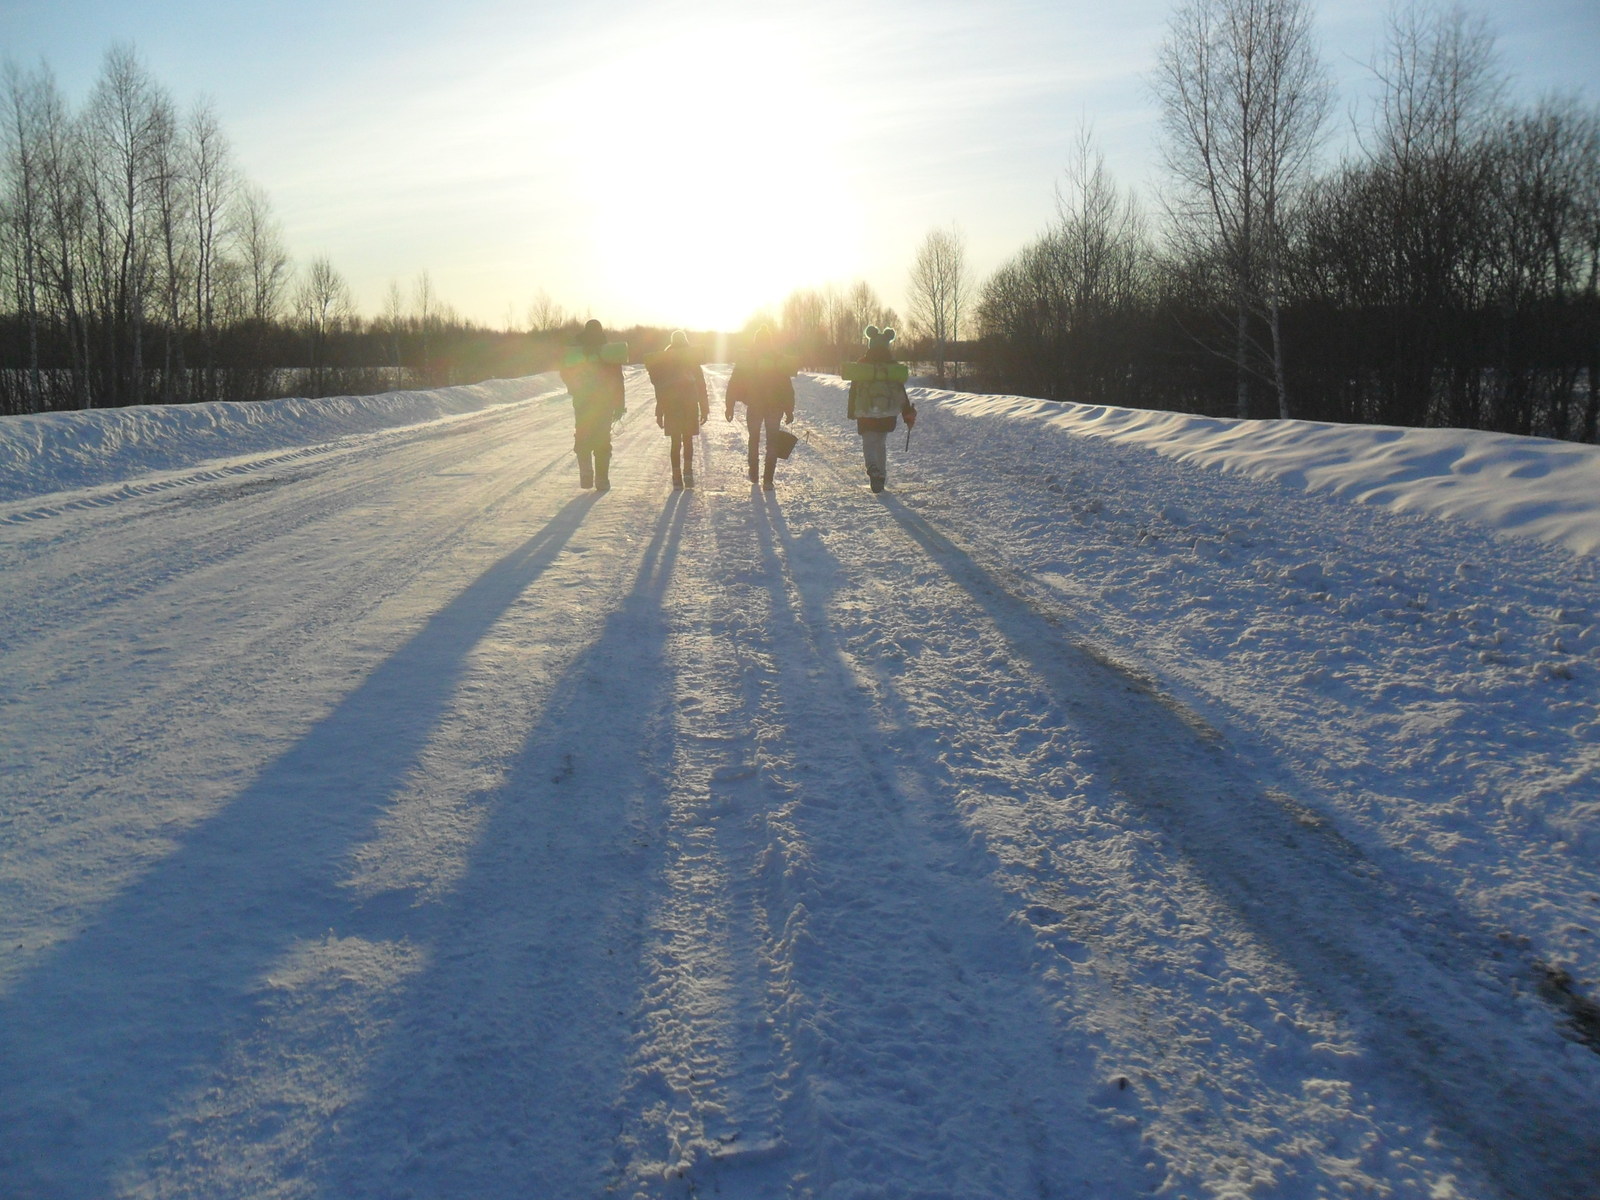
x=99, y=1042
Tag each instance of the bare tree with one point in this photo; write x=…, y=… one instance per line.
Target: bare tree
x=1589, y=226
x=323, y=307
x=1095, y=265
x=26, y=102
x=213, y=185
x=258, y=242
x=1439, y=88
x=939, y=290
x=863, y=307
x=1057, y=318
x=1536, y=256
x=392, y=322
x=127, y=117
x=426, y=314
x=1101, y=234
x=169, y=186
x=544, y=314
x=64, y=171
x=804, y=323
x=1428, y=182
x=1244, y=97
x=836, y=322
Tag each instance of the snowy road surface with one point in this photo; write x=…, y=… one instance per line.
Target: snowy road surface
x=387, y=818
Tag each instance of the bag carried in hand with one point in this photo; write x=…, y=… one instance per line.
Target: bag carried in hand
x=782, y=442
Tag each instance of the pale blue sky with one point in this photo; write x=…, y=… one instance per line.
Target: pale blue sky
x=602, y=151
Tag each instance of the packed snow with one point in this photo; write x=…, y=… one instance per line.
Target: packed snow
x=1122, y=804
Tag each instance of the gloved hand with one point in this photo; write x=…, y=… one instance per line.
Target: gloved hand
x=661, y=421
x=728, y=412
x=910, y=414
x=788, y=418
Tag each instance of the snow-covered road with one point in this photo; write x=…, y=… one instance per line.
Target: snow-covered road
x=386, y=817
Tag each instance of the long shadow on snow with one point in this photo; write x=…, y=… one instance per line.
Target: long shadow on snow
x=504, y=1056
x=1328, y=914
x=99, y=1043
x=902, y=872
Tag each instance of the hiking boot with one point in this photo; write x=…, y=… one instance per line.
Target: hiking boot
x=586, y=470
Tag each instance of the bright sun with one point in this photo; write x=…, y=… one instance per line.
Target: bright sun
x=714, y=187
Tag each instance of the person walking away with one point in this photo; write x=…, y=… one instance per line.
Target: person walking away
x=762, y=380
x=877, y=399
x=592, y=371
x=682, y=403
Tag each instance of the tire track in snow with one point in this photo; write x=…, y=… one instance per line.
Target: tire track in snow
x=226, y=651
x=111, y=495
x=102, y=574
x=178, y=955
x=487, y=1005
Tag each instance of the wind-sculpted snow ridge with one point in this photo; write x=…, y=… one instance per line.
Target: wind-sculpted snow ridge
x=385, y=816
x=59, y=451
x=1529, y=486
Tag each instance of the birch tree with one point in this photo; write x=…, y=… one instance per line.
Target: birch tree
x=323, y=305
x=426, y=310
x=213, y=187
x=127, y=118
x=169, y=184
x=25, y=101
x=1244, y=98
x=258, y=242
x=939, y=289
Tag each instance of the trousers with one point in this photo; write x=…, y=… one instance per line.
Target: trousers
x=875, y=449
x=755, y=422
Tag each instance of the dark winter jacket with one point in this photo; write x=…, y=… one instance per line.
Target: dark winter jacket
x=597, y=396
x=682, y=402
x=762, y=383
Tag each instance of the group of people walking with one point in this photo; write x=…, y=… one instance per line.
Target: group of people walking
x=762, y=381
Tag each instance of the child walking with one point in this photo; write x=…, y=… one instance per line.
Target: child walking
x=877, y=398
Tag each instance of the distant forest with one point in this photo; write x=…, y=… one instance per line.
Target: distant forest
x=1445, y=272
x=139, y=266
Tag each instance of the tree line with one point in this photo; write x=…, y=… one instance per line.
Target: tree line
x=1443, y=273
x=139, y=266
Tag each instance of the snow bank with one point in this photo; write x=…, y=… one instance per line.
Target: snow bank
x=53, y=452
x=1531, y=487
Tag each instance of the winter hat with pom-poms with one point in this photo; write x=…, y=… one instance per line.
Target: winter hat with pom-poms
x=880, y=344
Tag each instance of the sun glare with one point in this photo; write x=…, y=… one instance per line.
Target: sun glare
x=712, y=182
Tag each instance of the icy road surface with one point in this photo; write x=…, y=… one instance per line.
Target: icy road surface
x=388, y=818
